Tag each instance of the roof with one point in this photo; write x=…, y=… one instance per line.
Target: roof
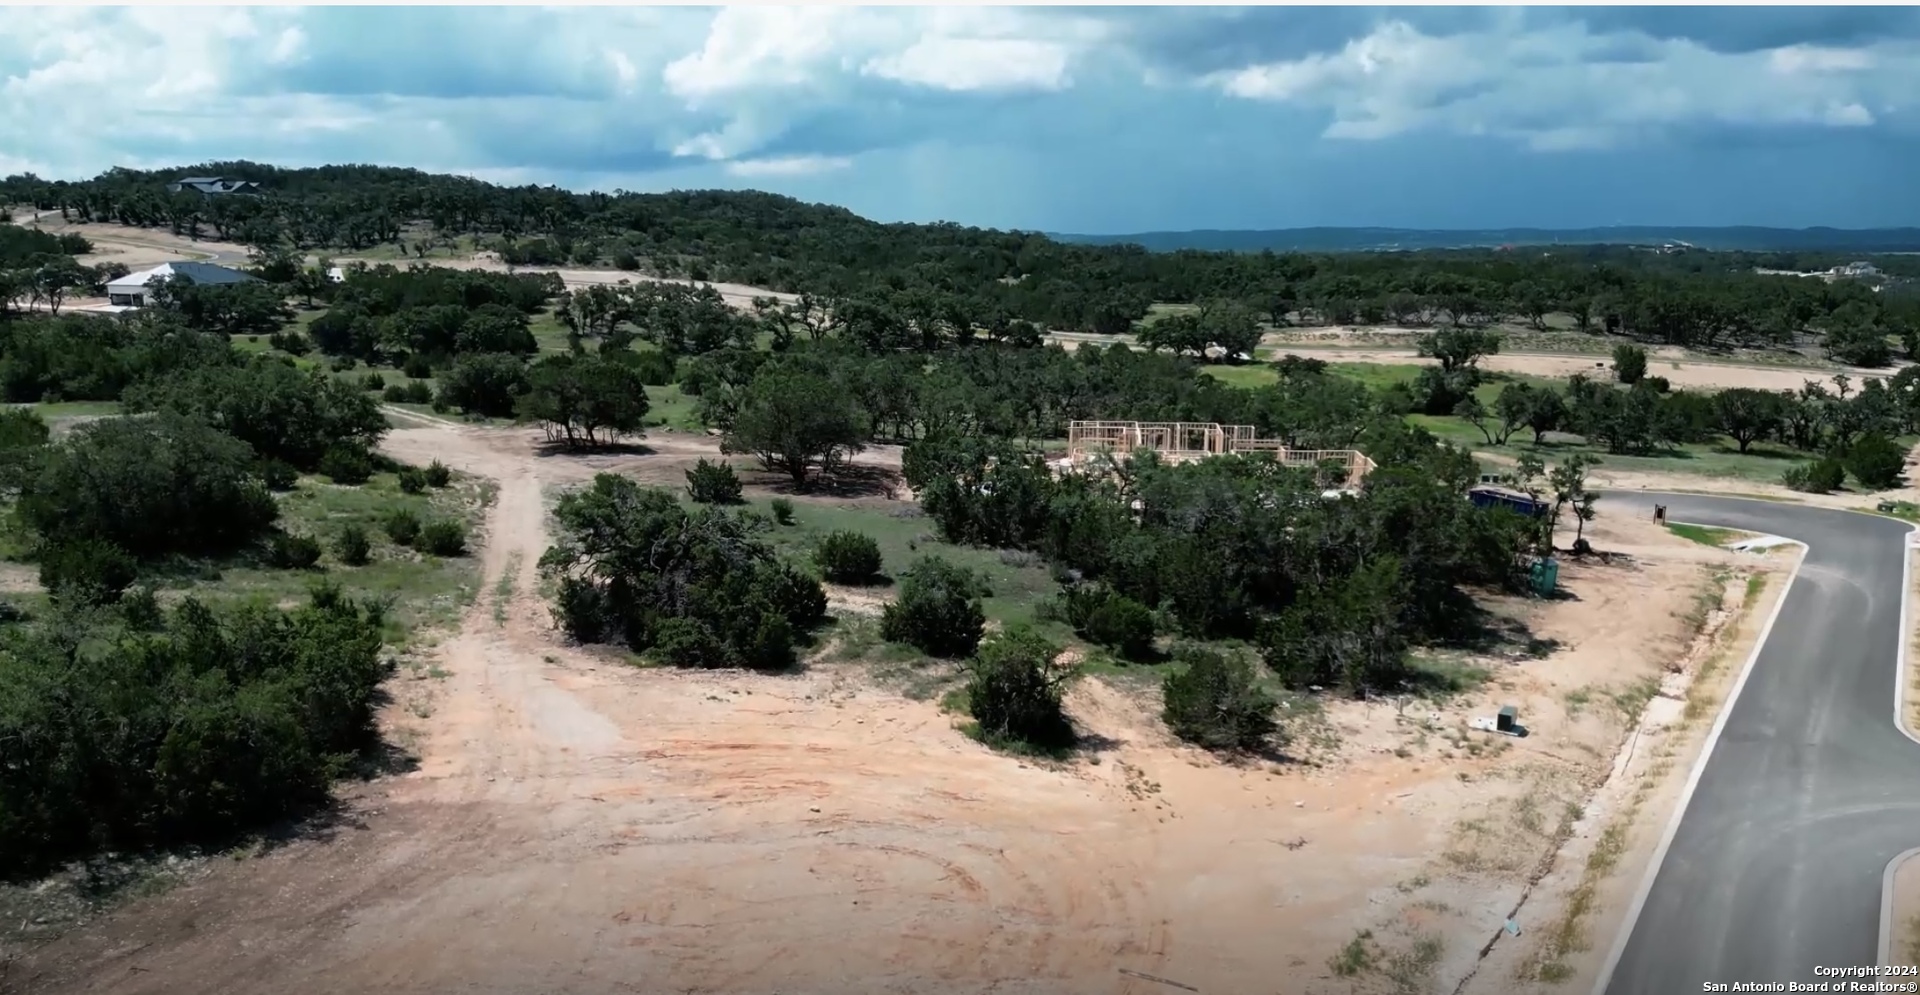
x=196, y=271
x=199, y=179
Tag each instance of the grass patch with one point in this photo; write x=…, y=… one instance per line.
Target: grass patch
x=1354, y=958
x=548, y=332
x=1439, y=676
x=1247, y=375
x=73, y=409
x=1703, y=535
x=503, y=589
x=1018, y=582
x=1762, y=463
x=426, y=590
x=668, y=408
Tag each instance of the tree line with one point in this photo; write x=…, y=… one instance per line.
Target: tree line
x=919, y=277
x=38, y=268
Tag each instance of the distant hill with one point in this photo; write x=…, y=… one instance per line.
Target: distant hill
x=1741, y=239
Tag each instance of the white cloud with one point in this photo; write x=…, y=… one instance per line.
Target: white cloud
x=759, y=69
x=976, y=64
x=749, y=48
x=1814, y=59
x=1562, y=88
x=793, y=165
x=781, y=92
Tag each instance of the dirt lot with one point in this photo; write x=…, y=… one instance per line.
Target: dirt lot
x=1681, y=373
x=739, y=295
x=578, y=824
x=139, y=248
x=136, y=248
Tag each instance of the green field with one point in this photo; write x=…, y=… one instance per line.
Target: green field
x=426, y=590
x=1763, y=462
x=1019, y=582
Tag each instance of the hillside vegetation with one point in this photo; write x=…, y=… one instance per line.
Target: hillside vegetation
x=240, y=463
x=945, y=275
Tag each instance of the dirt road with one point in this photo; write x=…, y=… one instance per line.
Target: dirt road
x=578, y=824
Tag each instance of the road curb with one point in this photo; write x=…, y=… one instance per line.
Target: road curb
x=1625, y=932
x=1901, y=679
x=1886, y=904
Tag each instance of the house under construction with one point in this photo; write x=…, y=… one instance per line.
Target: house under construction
x=1182, y=442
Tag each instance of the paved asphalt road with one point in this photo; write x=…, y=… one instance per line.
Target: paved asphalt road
x=1811, y=789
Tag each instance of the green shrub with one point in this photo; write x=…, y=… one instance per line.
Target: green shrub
x=438, y=475
x=1014, y=692
x=140, y=606
x=402, y=525
x=770, y=645
x=1213, y=700
x=794, y=595
x=656, y=369
x=349, y=465
x=782, y=510
x=713, y=483
x=581, y=609
x=848, y=557
x=687, y=642
x=278, y=475
x=417, y=368
x=152, y=486
x=443, y=537
x=626, y=260
x=1122, y=625
x=1818, y=477
x=1629, y=363
x=938, y=610
x=86, y=571
x=1876, y=462
x=352, y=546
x=373, y=381
x=341, y=364
x=416, y=392
x=195, y=726
x=1107, y=618
x=412, y=480
x=293, y=552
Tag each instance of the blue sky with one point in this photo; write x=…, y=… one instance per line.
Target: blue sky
x=1081, y=119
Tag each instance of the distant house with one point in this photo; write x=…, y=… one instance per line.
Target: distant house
x=131, y=290
x=212, y=185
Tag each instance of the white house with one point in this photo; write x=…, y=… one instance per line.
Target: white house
x=131, y=290
x=211, y=185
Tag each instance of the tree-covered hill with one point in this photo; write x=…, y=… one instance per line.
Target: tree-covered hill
x=929, y=274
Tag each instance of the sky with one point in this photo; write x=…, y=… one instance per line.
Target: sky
x=1065, y=119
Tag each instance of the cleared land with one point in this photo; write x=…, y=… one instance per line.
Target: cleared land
x=579, y=823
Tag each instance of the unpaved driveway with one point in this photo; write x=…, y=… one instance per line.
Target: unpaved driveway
x=577, y=824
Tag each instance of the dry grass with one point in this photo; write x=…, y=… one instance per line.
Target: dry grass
x=1568, y=935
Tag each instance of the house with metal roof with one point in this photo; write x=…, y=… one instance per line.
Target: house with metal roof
x=211, y=185
x=132, y=290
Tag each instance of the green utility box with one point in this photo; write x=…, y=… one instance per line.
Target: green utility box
x=1545, y=576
